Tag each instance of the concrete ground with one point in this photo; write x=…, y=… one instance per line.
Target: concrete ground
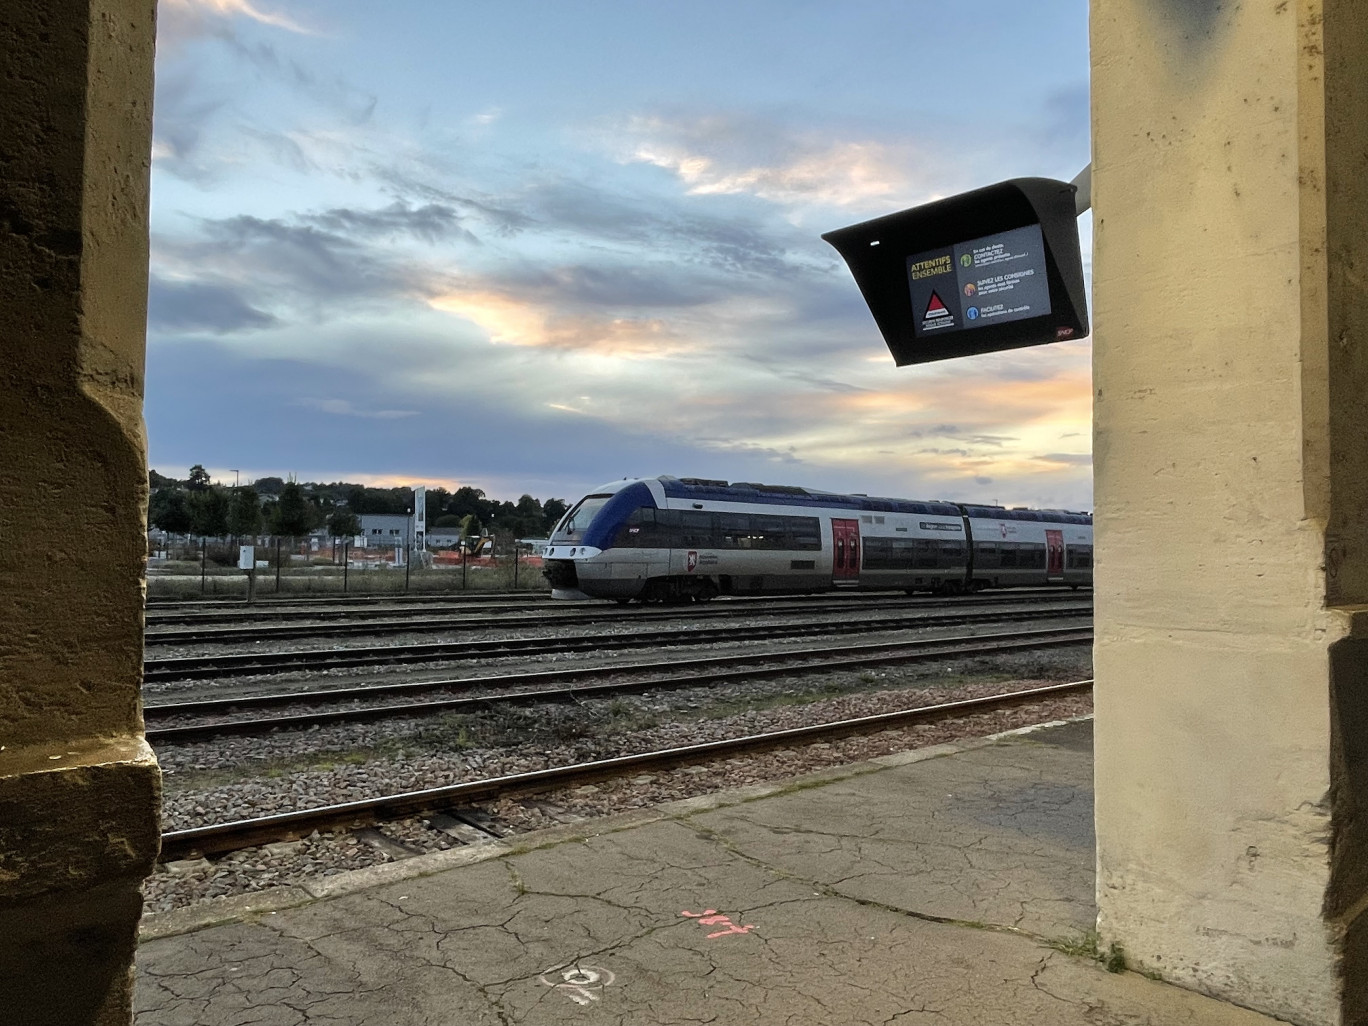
x=950, y=886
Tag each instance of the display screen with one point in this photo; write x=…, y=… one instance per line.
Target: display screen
x=991, y=280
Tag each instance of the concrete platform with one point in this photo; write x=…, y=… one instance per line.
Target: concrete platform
x=948, y=886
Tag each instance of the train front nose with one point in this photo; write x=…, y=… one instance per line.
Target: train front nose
x=560, y=573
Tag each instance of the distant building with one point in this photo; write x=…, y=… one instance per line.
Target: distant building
x=386, y=528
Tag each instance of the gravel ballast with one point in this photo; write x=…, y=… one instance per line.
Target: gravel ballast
x=241, y=778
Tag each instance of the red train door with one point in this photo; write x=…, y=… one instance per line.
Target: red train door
x=845, y=556
x=1054, y=555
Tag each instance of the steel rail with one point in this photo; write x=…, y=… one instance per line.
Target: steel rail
x=475, y=620
x=871, y=655
x=225, y=665
x=238, y=624
x=301, y=603
x=342, y=599
x=248, y=833
x=327, y=696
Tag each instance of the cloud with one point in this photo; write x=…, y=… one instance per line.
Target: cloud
x=187, y=16
x=288, y=264
x=726, y=154
x=431, y=222
x=198, y=306
x=1067, y=459
x=423, y=178
x=510, y=319
x=344, y=408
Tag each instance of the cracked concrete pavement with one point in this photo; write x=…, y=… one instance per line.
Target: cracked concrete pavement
x=922, y=888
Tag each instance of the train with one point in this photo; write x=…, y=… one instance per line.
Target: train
x=687, y=539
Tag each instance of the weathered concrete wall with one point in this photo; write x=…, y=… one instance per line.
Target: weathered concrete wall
x=78, y=785
x=1231, y=455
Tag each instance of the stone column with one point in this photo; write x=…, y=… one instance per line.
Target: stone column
x=79, y=788
x=1231, y=453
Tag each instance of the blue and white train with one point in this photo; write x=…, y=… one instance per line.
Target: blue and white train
x=669, y=539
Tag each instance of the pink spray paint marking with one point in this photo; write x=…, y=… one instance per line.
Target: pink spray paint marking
x=709, y=917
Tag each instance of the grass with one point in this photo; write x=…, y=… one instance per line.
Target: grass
x=1089, y=945
x=275, y=769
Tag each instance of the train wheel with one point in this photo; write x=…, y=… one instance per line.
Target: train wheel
x=622, y=602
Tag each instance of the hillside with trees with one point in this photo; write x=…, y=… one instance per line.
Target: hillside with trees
x=195, y=505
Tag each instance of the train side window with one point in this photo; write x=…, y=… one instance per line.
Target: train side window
x=951, y=554
x=733, y=530
x=806, y=533
x=668, y=524
x=642, y=530
x=697, y=530
x=769, y=532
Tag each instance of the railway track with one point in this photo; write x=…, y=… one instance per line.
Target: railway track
x=237, y=664
x=241, y=624
x=247, y=833
x=654, y=676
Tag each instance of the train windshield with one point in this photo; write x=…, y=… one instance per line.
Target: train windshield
x=572, y=525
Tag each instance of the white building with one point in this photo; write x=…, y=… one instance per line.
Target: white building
x=384, y=529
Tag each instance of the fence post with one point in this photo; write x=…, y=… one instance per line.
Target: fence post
x=408, y=562
x=465, y=564
x=277, y=564
x=346, y=563
x=515, y=564
x=204, y=558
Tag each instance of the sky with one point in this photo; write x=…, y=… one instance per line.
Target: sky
x=533, y=246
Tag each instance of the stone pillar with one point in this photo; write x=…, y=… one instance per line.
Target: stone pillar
x=79, y=788
x=1231, y=450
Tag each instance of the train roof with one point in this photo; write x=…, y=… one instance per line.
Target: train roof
x=712, y=489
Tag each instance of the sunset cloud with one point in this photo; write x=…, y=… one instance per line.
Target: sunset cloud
x=721, y=155
x=516, y=321
x=229, y=9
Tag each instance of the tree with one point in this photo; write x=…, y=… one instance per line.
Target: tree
x=269, y=485
x=470, y=526
x=436, y=504
x=467, y=501
x=209, y=513
x=530, y=515
x=167, y=511
x=446, y=520
x=552, y=511
x=199, y=478
x=343, y=524
x=294, y=514
x=244, y=513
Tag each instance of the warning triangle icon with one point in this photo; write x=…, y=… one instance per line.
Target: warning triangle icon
x=936, y=308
